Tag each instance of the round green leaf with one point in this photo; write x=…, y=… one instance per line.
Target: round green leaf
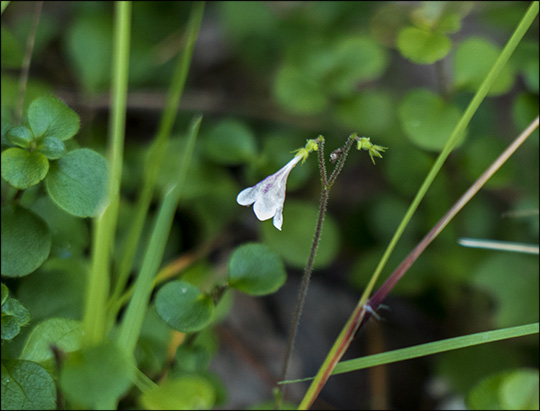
x=20, y=136
x=473, y=61
x=52, y=147
x=90, y=50
x=77, y=182
x=56, y=289
x=188, y=392
x=293, y=243
x=27, y=386
x=184, y=307
x=14, y=316
x=14, y=308
x=230, y=142
x=519, y=390
x=26, y=241
x=96, y=376
x=10, y=327
x=298, y=93
x=516, y=300
x=356, y=59
x=23, y=169
x=64, y=333
x=485, y=394
x=50, y=117
x=422, y=46
x=255, y=269
x=427, y=119
x=371, y=111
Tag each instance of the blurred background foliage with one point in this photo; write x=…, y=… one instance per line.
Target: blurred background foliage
x=269, y=75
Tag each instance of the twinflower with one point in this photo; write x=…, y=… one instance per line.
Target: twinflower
x=268, y=196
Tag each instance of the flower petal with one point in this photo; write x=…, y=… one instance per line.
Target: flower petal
x=248, y=196
x=265, y=207
x=278, y=218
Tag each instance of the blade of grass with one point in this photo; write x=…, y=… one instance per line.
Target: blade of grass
x=424, y=350
x=361, y=313
x=155, y=156
x=499, y=245
x=347, y=334
x=94, y=319
x=131, y=324
x=400, y=271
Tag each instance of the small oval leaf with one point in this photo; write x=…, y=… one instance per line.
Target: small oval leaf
x=187, y=392
x=20, y=136
x=184, y=307
x=96, y=375
x=50, y=117
x=64, y=333
x=23, y=169
x=52, y=147
x=77, y=182
x=26, y=241
x=296, y=92
x=27, y=386
x=472, y=63
x=427, y=119
x=255, y=269
x=230, y=142
x=423, y=46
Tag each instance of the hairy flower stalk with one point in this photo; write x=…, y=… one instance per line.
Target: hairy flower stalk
x=268, y=198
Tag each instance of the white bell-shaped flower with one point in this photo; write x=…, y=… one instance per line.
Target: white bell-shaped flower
x=268, y=195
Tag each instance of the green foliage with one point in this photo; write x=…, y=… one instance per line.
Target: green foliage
x=77, y=182
x=95, y=376
x=517, y=300
x=49, y=117
x=27, y=386
x=402, y=73
x=89, y=50
x=256, y=270
x=511, y=390
x=474, y=58
x=230, y=142
x=11, y=50
x=313, y=76
x=23, y=169
x=196, y=394
x=62, y=333
x=27, y=241
x=184, y=307
x=427, y=42
x=14, y=315
x=56, y=289
x=20, y=136
x=294, y=242
x=423, y=46
x=427, y=119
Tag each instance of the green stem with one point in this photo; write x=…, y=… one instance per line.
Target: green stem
x=303, y=290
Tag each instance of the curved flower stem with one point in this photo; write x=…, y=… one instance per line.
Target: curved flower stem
x=322, y=165
x=340, y=162
x=325, y=191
